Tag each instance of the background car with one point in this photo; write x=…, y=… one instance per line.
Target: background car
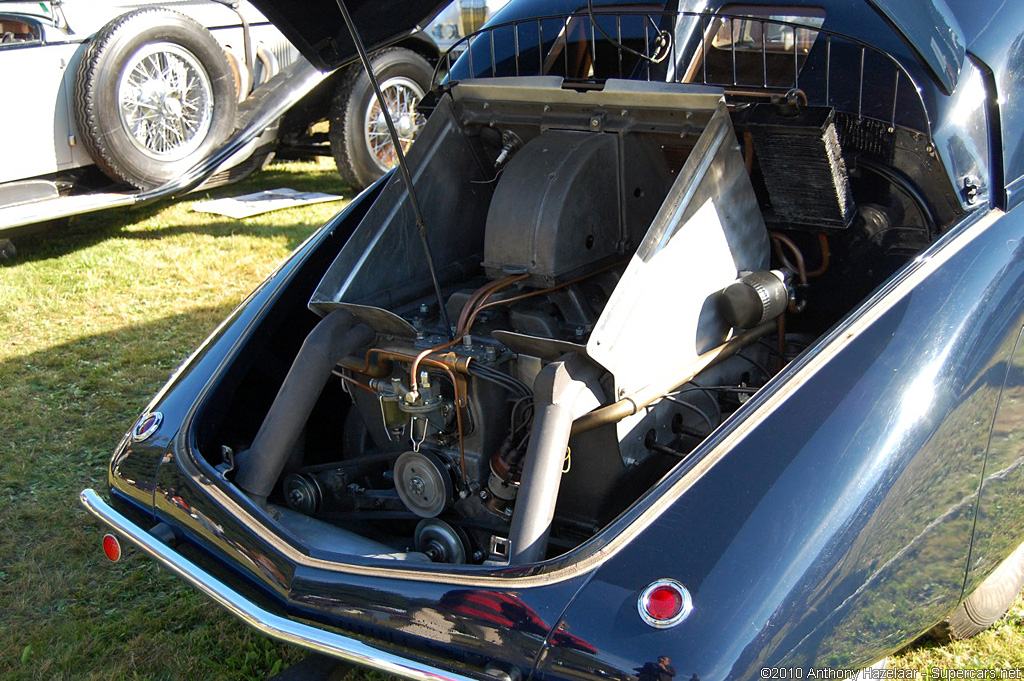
x=114, y=97
x=358, y=137
x=702, y=352
x=103, y=97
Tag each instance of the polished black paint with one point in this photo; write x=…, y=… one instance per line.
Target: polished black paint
x=1001, y=506
x=842, y=522
x=873, y=485
x=317, y=29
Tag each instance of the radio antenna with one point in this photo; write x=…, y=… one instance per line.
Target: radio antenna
x=403, y=169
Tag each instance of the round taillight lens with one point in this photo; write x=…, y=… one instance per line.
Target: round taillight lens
x=665, y=603
x=111, y=548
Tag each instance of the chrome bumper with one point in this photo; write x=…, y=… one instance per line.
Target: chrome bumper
x=275, y=626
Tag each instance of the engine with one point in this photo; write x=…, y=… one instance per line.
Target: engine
x=588, y=331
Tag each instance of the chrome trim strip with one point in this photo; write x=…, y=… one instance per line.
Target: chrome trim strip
x=267, y=623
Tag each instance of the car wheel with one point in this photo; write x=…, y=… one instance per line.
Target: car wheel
x=154, y=93
x=988, y=602
x=360, y=140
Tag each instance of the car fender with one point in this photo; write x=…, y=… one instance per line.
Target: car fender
x=837, y=516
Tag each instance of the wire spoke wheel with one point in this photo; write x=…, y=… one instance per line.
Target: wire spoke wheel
x=153, y=94
x=360, y=140
x=165, y=101
x=401, y=96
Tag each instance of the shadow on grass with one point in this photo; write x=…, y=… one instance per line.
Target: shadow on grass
x=68, y=613
x=80, y=396
x=84, y=231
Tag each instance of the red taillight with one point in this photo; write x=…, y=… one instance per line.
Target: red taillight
x=665, y=603
x=111, y=548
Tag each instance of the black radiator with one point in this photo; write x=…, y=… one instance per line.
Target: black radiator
x=802, y=165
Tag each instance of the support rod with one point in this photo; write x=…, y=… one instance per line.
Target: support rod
x=403, y=169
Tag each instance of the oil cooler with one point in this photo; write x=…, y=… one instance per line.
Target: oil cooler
x=799, y=156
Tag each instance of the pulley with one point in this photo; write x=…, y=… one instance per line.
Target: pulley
x=423, y=483
x=441, y=542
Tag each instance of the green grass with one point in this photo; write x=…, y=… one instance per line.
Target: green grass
x=95, y=316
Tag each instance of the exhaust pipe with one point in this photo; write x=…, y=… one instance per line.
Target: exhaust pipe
x=563, y=391
x=336, y=336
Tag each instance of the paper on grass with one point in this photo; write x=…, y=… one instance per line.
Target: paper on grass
x=261, y=202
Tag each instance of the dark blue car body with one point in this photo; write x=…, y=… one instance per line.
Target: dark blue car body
x=845, y=509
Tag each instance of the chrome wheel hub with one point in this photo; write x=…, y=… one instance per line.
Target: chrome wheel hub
x=165, y=101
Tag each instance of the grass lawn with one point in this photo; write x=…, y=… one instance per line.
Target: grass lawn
x=95, y=317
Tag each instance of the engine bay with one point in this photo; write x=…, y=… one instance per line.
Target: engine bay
x=617, y=271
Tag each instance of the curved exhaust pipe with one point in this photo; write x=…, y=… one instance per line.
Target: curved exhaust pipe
x=336, y=336
x=563, y=391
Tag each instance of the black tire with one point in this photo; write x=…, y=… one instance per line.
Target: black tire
x=988, y=602
x=398, y=70
x=172, y=136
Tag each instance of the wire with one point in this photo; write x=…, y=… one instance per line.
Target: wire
x=527, y=417
x=662, y=44
x=757, y=365
x=510, y=383
x=697, y=410
x=512, y=428
x=707, y=392
x=723, y=388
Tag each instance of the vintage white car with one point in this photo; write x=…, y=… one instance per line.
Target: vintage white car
x=106, y=100
x=137, y=91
